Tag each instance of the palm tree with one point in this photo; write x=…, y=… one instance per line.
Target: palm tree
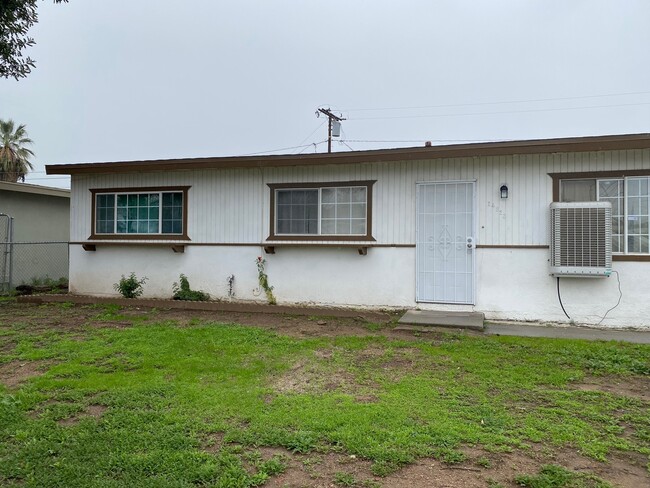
x=14, y=156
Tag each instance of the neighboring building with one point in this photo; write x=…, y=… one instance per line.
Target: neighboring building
x=459, y=227
x=40, y=216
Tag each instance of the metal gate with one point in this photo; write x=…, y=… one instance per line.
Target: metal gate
x=6, y=227
x=445, y=242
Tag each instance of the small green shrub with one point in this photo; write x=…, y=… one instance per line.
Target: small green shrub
x=130, y=287
x=182, y=291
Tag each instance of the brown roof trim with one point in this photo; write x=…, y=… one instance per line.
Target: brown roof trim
x=535, y=146
x=35, y=189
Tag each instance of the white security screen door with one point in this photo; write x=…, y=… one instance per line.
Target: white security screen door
x=445, y=242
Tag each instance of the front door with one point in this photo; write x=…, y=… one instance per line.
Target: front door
x=445, y=242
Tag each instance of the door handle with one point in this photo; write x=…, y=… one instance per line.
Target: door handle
x=470, y=243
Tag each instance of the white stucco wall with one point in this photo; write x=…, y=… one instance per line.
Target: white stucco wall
x=512, y=284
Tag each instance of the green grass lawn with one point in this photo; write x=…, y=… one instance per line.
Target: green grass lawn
x=187, y=405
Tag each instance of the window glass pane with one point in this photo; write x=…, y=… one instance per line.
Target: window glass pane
x=358, y=227
x=343, y=195
x=328, y=226
x=283, y=226
x=328, y=195
x=578, y=190
x=343, y=211
x=283, y=196
x=298, y=197
x=358, y=210
x=342, y=226
x=359, y=194
x=311, y=212
x=284, y=212
x=608, y=188
x=328, y=210
x=298, y=227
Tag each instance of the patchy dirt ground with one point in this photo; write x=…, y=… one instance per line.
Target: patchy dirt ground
x=14, y=373
x=329, y=469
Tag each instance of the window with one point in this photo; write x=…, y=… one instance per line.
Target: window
x=327, y=211
x=630, y=199
x=150, y=213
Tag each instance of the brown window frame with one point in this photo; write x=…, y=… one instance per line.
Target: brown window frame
x=368, y=184
x=596, y=175
x=138, y=237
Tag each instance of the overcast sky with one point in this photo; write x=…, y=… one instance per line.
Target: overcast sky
x=135, y=79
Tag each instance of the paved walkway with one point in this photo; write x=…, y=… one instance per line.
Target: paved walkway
x=568, y=332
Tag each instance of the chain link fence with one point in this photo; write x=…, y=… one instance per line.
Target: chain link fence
x=33, y=263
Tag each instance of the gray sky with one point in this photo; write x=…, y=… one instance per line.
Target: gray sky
x=135, y=79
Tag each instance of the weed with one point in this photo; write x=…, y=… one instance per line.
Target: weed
x=263, y=280
x=552, y=476
x=130, y=287
x=449, y=456
x=492, y=483
x=344, y=479
x=373, y=327
x=182, y=291
x=484, y=462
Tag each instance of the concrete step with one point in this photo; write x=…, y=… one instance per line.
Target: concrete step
x=455, y=320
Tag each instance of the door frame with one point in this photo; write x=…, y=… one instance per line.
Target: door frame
x=418, y=185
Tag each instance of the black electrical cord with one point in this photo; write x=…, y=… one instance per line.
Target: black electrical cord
x=560, y=298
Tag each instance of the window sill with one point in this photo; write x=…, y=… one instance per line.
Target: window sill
x=139, y=237
x=92, y=246
x=362, y=247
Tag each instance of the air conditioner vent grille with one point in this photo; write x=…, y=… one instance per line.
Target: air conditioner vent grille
x=581, y=239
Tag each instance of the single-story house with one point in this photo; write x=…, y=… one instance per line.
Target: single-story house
x=34, y=230
x=456, y=227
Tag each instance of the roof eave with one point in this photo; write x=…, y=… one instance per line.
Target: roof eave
x=504, y=148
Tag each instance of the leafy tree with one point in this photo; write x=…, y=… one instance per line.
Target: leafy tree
x=16, y=18
x=14, y=155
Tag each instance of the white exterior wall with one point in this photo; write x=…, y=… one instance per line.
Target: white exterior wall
x=232, y=207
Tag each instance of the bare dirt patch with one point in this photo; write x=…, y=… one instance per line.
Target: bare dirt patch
x=633, y=386
x=317, y=470
x=91, y=411
x=309, y=377
x=14, y=373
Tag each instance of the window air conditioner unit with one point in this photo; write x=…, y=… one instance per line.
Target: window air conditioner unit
x=581, y=239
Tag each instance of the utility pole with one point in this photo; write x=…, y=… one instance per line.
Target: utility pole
x=330, y=117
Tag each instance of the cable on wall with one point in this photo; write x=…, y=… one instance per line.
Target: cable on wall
x=559, y=297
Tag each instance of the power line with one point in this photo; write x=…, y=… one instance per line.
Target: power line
x=313, y=132
x=533, y=100
x=279, y=149
x=499, y=112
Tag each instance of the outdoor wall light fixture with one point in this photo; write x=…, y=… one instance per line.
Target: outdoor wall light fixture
x=504, y=191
